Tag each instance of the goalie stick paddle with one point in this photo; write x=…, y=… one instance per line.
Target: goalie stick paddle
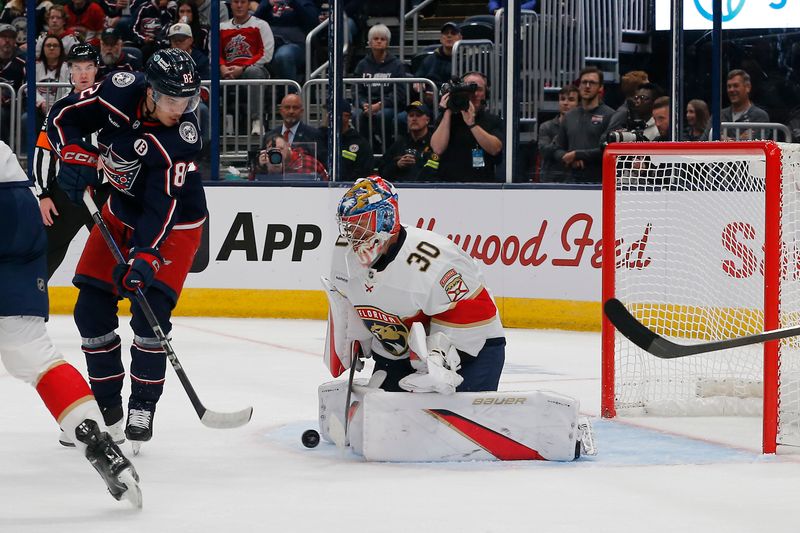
x=652, y=342
x=209, y=418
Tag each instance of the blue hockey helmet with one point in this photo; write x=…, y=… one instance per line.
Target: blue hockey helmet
x=172, y=73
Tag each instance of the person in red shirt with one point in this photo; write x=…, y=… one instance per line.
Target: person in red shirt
x=85, y=17
x=279, y=159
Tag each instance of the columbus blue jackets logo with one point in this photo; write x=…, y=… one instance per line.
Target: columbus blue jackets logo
x=188, y=132
x=388, y=329
x=119, y=172
x=122, y=79
x=237, y=48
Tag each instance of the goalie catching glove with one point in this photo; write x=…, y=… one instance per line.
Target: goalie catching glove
x=138, y=273
x=78, y=169
x=435, y=360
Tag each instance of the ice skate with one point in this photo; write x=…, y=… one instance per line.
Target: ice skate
x=112, y=416
x=140, y=427
x=586, y=436
x=115, y=469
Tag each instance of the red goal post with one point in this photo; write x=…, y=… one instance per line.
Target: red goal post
x=701, y=241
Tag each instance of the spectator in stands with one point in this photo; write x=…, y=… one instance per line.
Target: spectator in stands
x=581, y=133
x=697, y=117
x=50, y=68
x=468, y=142
x=640, y=116
x=279, y=160
x=152, y=20
x=204, y=10
x=291, y=21
x=180, y=36
x=57, y=25
x=628, y=86
x=14, y=14
x=661, y=117
x=794, y=125
x=12, y=71
x=295, y=131
x=741, y=108
x=378, y=101
x=494, y=5
x=437, y=66
x=358, y=160
x=411, y=157
x=247, y=46
x=112, y=55
x=188, y=14
x=85, y=18
x=552, y=169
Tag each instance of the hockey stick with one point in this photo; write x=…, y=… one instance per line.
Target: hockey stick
x=650, y=341
x=212, y=419
x=357, y=353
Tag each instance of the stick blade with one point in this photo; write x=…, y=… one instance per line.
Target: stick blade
x=626, y=323
x=216, y=420
x=641, y=335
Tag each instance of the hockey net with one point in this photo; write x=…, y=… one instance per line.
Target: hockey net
x=706, y=247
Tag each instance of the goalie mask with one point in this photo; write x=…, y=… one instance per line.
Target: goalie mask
x=368, y=217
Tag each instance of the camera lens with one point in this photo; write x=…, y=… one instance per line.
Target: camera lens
x=274, y=156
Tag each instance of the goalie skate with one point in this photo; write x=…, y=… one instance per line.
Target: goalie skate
x=112, y=417
x=139, y=428
x=116, y=470
x=586, y=436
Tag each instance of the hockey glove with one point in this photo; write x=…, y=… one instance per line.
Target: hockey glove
x=436, y=362
x=138, y=273
x=78, y=169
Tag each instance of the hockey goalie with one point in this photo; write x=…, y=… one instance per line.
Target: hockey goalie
x=417, y=305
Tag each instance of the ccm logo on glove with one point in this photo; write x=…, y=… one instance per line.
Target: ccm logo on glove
x=138, y=273
x=78, y=155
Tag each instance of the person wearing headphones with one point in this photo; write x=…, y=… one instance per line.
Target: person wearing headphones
x=468, y=138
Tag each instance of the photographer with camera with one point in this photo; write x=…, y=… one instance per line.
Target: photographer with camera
x=468, y=138
x=581, y=134
x=640, y=125
x=411, y=158
x=278, y=159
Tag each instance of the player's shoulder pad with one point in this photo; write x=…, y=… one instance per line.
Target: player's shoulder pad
x=178, y=141
x=123, y=85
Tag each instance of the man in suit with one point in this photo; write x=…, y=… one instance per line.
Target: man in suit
x=295, y=132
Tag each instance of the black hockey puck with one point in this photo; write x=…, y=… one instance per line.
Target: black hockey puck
x=310, y=438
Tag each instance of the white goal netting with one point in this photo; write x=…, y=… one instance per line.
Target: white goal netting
x=690, y=235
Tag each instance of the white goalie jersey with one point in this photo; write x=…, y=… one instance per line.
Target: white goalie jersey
x=429, y=280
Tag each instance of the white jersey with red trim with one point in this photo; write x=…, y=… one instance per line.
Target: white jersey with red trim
x=423, y=278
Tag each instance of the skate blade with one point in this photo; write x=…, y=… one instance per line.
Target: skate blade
x=136, y=446
x=133, y=493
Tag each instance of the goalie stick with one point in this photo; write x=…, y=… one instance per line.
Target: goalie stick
x=209, y=418
x=652, y=342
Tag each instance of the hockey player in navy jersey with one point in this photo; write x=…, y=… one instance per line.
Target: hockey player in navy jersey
x=147, y=141
x=25, y=347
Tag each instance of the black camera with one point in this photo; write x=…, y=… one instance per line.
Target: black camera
x=412, y=151
x=274, y=156
x=460, y=94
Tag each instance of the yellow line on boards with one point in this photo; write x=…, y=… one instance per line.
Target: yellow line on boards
x=269, y=303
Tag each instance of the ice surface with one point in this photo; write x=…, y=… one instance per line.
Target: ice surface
x=651, y=475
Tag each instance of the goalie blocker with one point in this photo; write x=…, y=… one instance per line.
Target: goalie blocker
x=468, y=426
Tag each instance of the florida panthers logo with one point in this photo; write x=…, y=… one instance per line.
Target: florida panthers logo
x=388, y=329
x=119, y=172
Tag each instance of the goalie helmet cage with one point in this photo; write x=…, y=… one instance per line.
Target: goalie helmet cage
x=701, y=241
